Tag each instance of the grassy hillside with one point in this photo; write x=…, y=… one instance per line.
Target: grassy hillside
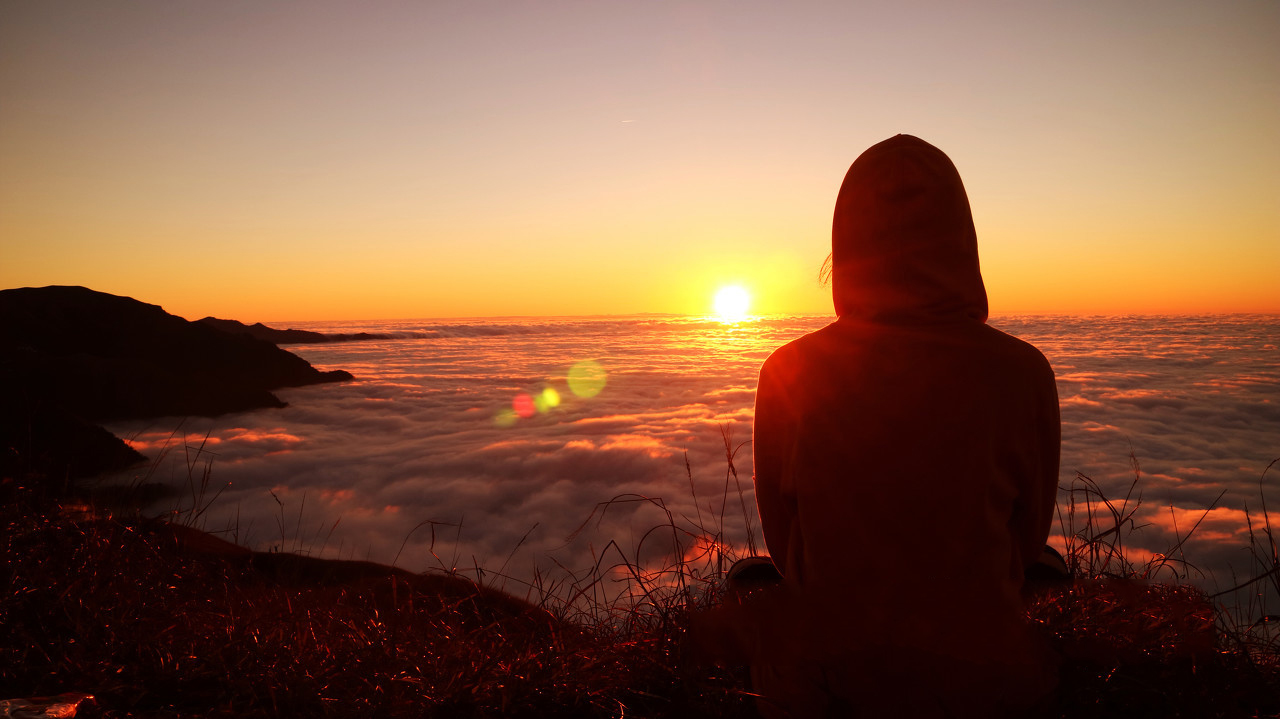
x=154, y=619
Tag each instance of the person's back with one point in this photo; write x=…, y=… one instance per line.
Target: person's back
x=906, y=461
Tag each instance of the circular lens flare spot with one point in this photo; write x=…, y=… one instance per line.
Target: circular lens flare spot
x=732, y=303
x=523, y=405
x=586, y=379
x=549, y=398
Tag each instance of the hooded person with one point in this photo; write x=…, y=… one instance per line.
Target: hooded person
x=906, y=466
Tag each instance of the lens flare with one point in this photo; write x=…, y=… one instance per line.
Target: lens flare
x=523, y=405
x=549, y=399
x=586, y=379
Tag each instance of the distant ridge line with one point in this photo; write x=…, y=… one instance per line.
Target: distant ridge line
x=288, y=336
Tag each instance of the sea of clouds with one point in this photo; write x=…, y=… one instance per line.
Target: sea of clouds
x=463, y=444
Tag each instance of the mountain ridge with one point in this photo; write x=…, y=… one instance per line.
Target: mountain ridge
x=72, y=357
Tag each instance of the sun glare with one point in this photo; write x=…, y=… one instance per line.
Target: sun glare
x=732, y=303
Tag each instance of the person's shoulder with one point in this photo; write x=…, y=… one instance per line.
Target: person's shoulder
x=782, y=356
x=791, y=356
x=1015, y=347
x=805, y=344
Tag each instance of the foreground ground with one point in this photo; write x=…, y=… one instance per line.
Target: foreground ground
x=155, y=621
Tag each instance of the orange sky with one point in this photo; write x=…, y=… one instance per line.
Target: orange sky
x=332, y=160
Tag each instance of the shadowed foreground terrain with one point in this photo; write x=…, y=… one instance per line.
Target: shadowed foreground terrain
x=155, y=619
x=158, y=619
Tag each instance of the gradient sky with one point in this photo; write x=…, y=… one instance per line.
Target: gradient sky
x=325, y=160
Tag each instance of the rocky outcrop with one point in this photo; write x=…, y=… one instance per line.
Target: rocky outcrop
x=289, y=336
x=73, y=355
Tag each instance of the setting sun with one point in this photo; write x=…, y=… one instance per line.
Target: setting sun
x=732, y=303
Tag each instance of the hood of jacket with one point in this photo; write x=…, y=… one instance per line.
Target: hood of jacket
x=903, y=247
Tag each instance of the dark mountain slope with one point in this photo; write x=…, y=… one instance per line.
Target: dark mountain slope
x=72, y=356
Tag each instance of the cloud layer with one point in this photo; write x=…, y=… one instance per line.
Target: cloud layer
x=425, y=444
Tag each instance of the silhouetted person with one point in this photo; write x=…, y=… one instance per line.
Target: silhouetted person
x=906, y=465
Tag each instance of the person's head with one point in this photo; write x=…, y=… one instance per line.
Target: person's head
x=903, y=245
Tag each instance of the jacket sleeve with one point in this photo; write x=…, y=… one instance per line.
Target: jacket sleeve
x=773, y=439
x=1040, y=491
